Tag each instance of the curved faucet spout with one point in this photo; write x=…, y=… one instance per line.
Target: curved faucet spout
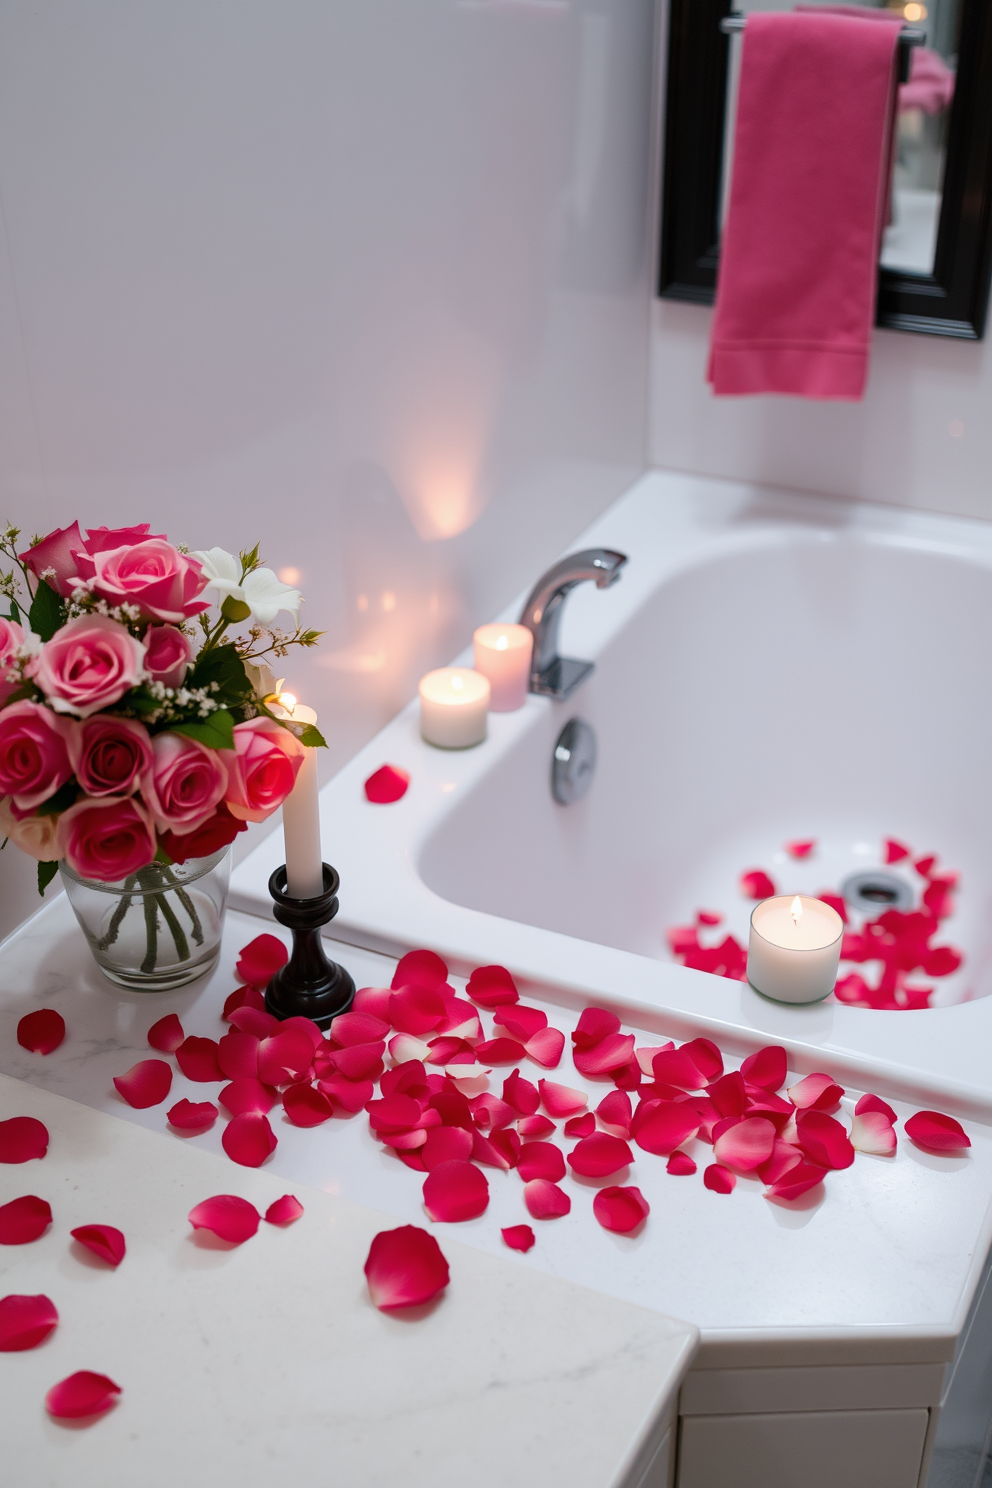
x=553, y=675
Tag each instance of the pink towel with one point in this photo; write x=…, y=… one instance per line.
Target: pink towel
x=798, y=271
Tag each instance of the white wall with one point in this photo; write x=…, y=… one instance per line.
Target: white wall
x=365, y=279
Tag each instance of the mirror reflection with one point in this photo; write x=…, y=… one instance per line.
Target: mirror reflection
x=923, y=114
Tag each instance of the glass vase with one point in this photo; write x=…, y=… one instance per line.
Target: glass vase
x=157, y=929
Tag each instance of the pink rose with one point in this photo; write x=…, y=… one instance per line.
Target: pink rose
x=261, y=768
x=106, y=839
x=184, y=784
x=108, y=754
x=34, y=835
x=11, y=639
x=102, y=539
x=34, y=753
x=87, y=665
x=56, y=552
x=167, y=655
x=153, y=575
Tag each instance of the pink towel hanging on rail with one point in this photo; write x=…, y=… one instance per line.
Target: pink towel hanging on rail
x=796, y=286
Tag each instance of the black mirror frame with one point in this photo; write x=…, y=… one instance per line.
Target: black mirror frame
x=952, y=301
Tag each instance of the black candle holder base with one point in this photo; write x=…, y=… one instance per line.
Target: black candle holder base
x=309, y=985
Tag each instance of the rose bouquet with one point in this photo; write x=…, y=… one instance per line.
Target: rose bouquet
x=139, y=726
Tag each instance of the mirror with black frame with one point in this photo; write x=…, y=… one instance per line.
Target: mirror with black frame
x=937, y=247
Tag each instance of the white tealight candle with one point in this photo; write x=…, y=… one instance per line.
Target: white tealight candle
x=503, y=653
x=794, y=948
x=454, y=702
x=301, y=815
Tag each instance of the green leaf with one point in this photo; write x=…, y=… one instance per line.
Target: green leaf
x=61, y=801
x=311, y=736
x=216, y=731
x=46, y=872
x=15, y=612
x=47, y=612
x=223, y=665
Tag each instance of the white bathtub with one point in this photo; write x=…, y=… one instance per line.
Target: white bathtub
x=769, y=667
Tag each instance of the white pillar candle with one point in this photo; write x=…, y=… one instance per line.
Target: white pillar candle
x=301, y=815
x=503, y=653
x=794, y=948
x=453, y=706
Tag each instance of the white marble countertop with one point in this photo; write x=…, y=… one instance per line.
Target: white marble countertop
x=267, y=1362
x=882, y=1268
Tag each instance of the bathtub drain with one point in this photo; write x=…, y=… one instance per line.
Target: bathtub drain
x=874, y=890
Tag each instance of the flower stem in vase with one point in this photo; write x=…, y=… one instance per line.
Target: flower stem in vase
x=187, y=904
x=151, y=930
x=117, y=918
x=178, y=933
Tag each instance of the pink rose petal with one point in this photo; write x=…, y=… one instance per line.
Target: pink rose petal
x=801, y=848
x=499, y=1051
x=387, y=784
x=664, y=1125
x=717, y=1178
x=41, y=1031
x=103, y=1240
x=260, y=959
x=417, y=1010
x=581, y=1126
x=519, y=1022
x=754, y=885
x=229, y=1217
x=353, y=1028
x=81, y=1394
x=615, y=1113
x=784, y=1158
x=594, y=1025
x=705, y=1056
x=518, y=1237
x=25, y=1322
x=309, y=1030
x=535, y=1126
x=541, y=1160
x=677, y=1067
x=816, y=1093
x=747, y=1144
x=455, y=1191
x=621, y=1210
x=561, y=1100
x=405, y=1046
x=197, y=1058
x=258, y=1023
x=873, y=1133
x=245, y=1095
x=708, y=917
x=243, y=997
x=545, y=1200
x=875, y=1103
x=360, y=1061
x=485, y=1151
x=609, y=1054
x=194, y=1116
x=284, y=1058
x=166, y=1035
x=373, y=1000
x=394, y=1113
x=146, y=1083
x=545, y=1047
x=305, y=1106
x=405, y=1267
x=249, y=1139
x=937, y=1132
x=599, y=1155
x=521, y=1094
x=237, y=1055
x=492, y=987
x=24, y=1219
x=420, y=969
x=283, y=1211
x=645, y=1056
x=350, y=1095
x=680, y=1164
x=405, y=1141
x=767, y=1068
x=22, y=1138
x=894, y=851
x=729, y=1094
x=446, y=1144
x=796, y=1182
x=824, y=1140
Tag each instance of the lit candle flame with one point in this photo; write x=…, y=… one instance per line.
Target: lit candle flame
x=287, y=701
x=501, y=643
x=796, y=910
x=457, y=684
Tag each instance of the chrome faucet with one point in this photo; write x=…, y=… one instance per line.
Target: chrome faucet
x=552, y=675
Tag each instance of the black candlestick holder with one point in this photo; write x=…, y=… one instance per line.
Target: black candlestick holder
x=309, y=984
